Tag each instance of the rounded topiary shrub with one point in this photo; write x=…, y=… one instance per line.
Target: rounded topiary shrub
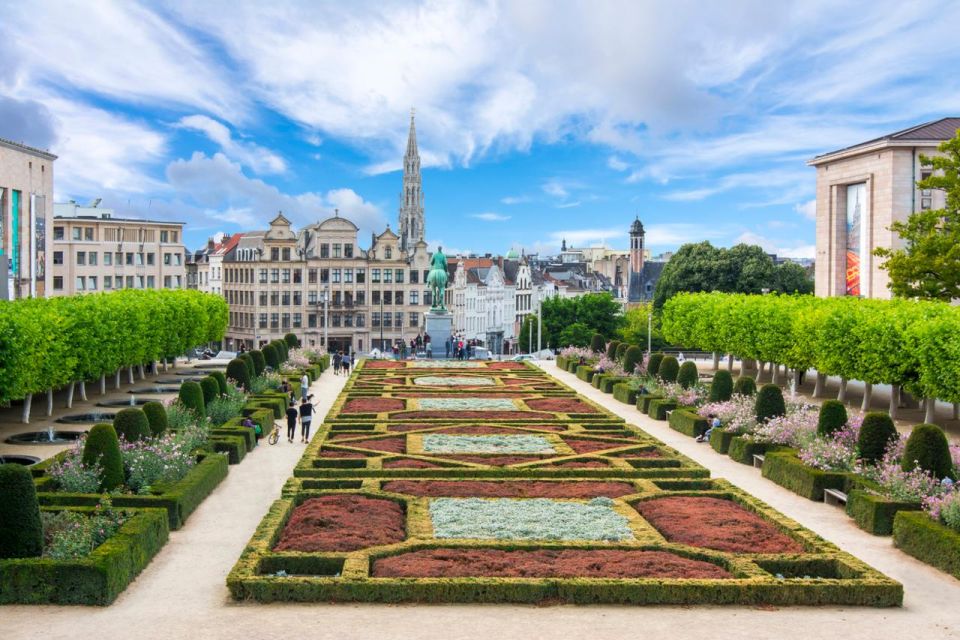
x=833, y=415
x=597, y=343
x=927, y=448
x=292, y=340
x=221, y=381
x=669, y=369
x=21, y=533
x=259, y=362
x=688, y=375
x=270, y=356
x=622, y=350
x=248, y=361
x=103, y=448
x=156, y=416
x=210, y=389
x=875, y=435
x=237, y=371
x=132, y=424
x=283, y=349
x=191, y=395
x=631, y=358
x=653, y=367
x=721, y=388
x=769, y=403
x=612, y=349
x=745, y=386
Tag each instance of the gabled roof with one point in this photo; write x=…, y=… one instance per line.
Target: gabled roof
x=228, y=244
x=932, y=132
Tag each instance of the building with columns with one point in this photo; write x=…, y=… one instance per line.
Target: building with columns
x=861, y=191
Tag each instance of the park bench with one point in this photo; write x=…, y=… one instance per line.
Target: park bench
x=758, y=459
x=834, y=497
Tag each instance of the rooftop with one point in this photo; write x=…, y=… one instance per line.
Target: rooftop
x=19, y=146
x=935, y=131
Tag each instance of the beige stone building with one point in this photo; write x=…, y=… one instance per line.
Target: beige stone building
x=93, y=251
x=26, y=213
x=861, y=190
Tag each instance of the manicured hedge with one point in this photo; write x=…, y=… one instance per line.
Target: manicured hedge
x=625, y=393
x=644, y=400
x=688, y=422
x=720, y=440
x=658, y=408
x=786, y=469
x=916, y=534
x=21, y=533
x=609, y=382
x=95, y=580
x=585, y=372
x=873, y=513
x=743, y=449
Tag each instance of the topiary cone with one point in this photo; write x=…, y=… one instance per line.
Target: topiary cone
x=132, y=424
x=632, y=357
x=927, y=448
x=612, y=349
x=247, y=360
x=270, y=356
x=292, y=340
x=721, y=388
x=259, y=362
x=688, y=375
x=653, y=367
x=157, y=417
x=21, y=531
x=875, y=435
x=745, y=386
x=221, y=380
x=210, y=389
x=833, y=416
x=103, y=448
x=622, y=350
x=769, y=403
x=669, y=369
x=597, y=343
x=191, y=395
x=237, y=371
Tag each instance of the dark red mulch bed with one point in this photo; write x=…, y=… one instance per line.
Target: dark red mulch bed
x=582, y=464
x=373, y=405
x=714, y=523
x=390, y=445
x=409, y=427
x=560, y=405
x=496, y=461
x=443, y=392
x=343, y=436
x=342, y=522
x=510, y=489
x=334, y=453
x=409, y=463
x=384, y=364
x=471, y=415
x=394, y=381
x=480, y=430
x=543, y=563
x=644, y=453
x=506, y=365
x=589, y=446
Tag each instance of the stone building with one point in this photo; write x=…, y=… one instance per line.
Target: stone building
x=94, y=251
x=861, y=191
x=26, y=214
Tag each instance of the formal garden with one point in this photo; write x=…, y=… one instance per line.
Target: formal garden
x=492, y=482
x=78, y=527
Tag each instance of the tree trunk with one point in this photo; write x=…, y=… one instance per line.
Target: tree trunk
x=27, y=402
x=930, y=416
x=774, y=373
x=821, y=383
x=103, y=384
x=164, y=365
x=730, y=362
x=796, y=383
x=867, y=397
x=130, y=374
x=83, y=390
x=716, y=361
x=956, y=410
x=842, y=395
x=70, y=395
x=49, y=402
x=894, y=406
x=140, y=371
x=153, y=367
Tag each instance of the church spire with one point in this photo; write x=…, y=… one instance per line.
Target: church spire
x=412, y=138
x=411, y=198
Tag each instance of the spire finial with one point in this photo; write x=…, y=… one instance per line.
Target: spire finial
x=336, y=213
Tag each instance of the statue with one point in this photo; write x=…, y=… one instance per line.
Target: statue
x=437, y=280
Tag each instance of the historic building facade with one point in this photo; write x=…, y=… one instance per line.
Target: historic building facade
x=861, y=191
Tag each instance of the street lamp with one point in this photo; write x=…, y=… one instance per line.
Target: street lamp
x=649, y=329
x=381, y=323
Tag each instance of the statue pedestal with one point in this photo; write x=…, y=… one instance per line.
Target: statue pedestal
x=439, y=326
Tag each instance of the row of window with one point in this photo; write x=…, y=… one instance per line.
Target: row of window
x=339, y=298
x=115, y=234
x=335, y=276
x=118, y=258
x=315, y=320
x=90, y=283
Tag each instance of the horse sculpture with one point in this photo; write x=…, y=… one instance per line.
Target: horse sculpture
x=437, y=280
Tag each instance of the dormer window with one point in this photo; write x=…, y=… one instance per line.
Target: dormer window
x=388, y=253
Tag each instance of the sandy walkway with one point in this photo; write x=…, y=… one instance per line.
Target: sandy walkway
x=182, y=593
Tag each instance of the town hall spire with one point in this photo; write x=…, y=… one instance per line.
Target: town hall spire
x=411, y=198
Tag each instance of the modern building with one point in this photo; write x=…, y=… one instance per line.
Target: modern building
x=94, y=251
x=861, y=191
x=26, y=214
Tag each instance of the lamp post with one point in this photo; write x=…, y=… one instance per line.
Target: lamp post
x=539, y=325
x=381, y=322
x=649, y=329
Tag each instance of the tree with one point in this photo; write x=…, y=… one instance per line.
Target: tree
x=928, y=266
x=577, y=334
x=634, y=329
x=598, y=312
x=524, y=339
x=792, y=278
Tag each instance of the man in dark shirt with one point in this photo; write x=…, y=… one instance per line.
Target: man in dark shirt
x=306, y=417
x=292, y=421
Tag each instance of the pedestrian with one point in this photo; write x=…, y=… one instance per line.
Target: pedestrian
x=448, y=348
x=292, y=414
x=714, y=424
x=306, y=417
x=345, y=364
x=680, y=357
x=337, y=357
x=429, y=351
x=304, y=386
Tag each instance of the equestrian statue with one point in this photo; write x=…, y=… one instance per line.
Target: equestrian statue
x=437, y=280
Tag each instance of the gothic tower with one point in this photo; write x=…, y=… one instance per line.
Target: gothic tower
x=636, y=246
x=411, y=198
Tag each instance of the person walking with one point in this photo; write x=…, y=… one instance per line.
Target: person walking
x=337, y=357
x=292, y=415
x=304, y=386
x=306, y=417
x=345, y=364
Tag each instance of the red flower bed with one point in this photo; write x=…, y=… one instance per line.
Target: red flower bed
x=715, y=524
x=471, y=415
x=509, y=489
x=560, y=405
x=373, y=405
x=445, y=392
x=409, y=463
x=582, y=464
x=342, y=522
x=496, y=461
x=334, y=453
x=543, y=563
x=408, y=427
x=389, y=445
x=643, y=453
x=384, y=364
x=481, y=430
x=589, y=446
x=394, y=381
x=506, y=365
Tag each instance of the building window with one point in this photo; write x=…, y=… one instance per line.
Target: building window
x=107, y=259
x=361, y=298
x=263, y=298
x=286, y=254
x=284, y=320
x=387, y=320
x=81, y=258
x=388, y=297
x=275, y=254
x=92, y=258
x=274, y=276
x=398, y=276
x=274, y=320
x=374, y=276
x=297, y=320
x=348, y=250
x=324, y=276
x=58, y=283
x=298, y=276
x=348, y=276
x=108, y=282
x=336, y=276
x=375, y=297
x=164, y=236
x=285, y=276
x=414, y=318
x=151, y=282
x=139, y=259
x=262, y=321
x=361, y=276
x=324, y=250
x=297, y=298
x=336, y=298
x=388, y=276
x=58, y=257
x=139, y=282
x=274, y=298
x=58, y=233
x=398, y=319
x=361, y=320
x=414, y=296
x=374, y=319
x=388, y=253
x=312, y=320
x=414, y=276
x=336, y=250
x=311, y=276
x=348, y=319
x=79, y=283
x=335, y=320
x=311, y=297
x=151, y=258
x=398, y=297
x=88, y=234
x=76, y=233
x=92, y=283
x=166, y=259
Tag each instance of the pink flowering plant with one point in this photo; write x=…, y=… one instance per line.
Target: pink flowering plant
x=691, y=397
x=578, y=352
x=296, y=361
x=945, y=508
x=165, y=459
x=72, y=476
x=610, y=366
x=796, y=429
x=737, y=415
x=897, y=484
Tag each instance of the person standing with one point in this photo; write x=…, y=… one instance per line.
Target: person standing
x=292, y=420
x=306, y=417
x=304, y=386
x=429, y=351
x=337, y=357
x=345, y=364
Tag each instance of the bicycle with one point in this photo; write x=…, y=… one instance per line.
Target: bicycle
x=274, y=436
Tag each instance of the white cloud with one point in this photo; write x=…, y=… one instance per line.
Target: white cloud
x=510, y=200
x=678, y=233
x=490, y=217
x=568, y=205
x=248, y=154
x=807, y=209
x=555, y=188
x=617, y=164
x=778, y=248
x=587, y=237
x=772, y=180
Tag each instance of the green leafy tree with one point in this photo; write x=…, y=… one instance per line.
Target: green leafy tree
x=577, y=334
x=635, y=325
x=928, y=266
x=793, y=278
x=598, y=312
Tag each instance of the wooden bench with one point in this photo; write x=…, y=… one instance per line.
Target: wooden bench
x=668, y=414
x=758, y=459
x=834, y=497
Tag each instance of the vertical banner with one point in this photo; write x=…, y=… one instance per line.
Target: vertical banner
x=4, y=264
x=15, y=235
x=38, y=244
x=856, y=208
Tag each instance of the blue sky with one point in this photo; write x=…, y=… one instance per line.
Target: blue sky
x=537, y=120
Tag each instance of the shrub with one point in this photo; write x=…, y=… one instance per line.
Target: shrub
x=156, y=416
x=622, y=350
x=669, y=369
x=210, y=389
x=653, y=367
x=769, y=403
x=721, y=388
x=631, y=358
x=612, y=349
x=259, y=362
x=74, y=535
x=688, y=375
x=875, y=435
x=248, y=361
x=237, y=371
x=928, y=449
x=283, y=352
x=226, y=407
x=597, y=343
x=292, y=340
x=266, y=382
x=221, y=380
x=833, y=415
x=191, y=395
x=21, y=534
x=271, y=357
x=103, y=448
x=132, y=424
x=745, y=386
